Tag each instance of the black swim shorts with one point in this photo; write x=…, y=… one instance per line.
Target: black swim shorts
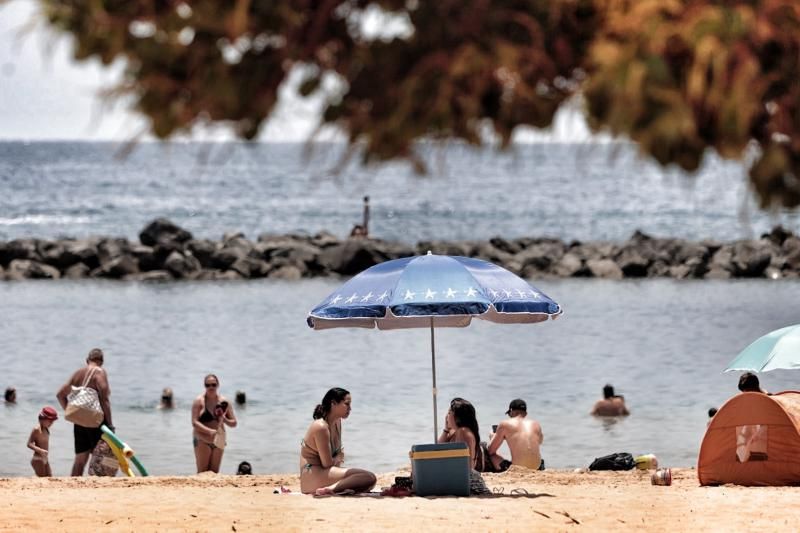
x=86, y=438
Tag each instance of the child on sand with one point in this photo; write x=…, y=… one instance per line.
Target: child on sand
x=39, y=442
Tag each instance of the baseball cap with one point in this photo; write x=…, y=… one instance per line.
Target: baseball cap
x=48, y=413
x=517, y=405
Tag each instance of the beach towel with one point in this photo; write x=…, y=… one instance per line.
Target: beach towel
x=614, y=461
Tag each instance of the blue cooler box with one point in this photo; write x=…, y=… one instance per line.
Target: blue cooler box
x=440, y=469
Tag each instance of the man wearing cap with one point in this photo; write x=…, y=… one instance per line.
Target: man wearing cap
x=93, y=376
x=523, y=436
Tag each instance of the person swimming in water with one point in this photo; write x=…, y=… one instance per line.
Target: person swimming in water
x=322, y=453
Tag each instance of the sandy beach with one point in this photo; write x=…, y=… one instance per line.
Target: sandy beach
x=555, y=501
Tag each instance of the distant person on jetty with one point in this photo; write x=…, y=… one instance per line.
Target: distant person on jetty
x=748, y=382
x=39, y=442
x=211, y=412
x=322, y=453
x=611, y=404
x=11, y=395
x=166, y=399
x=362, y=230
x=523, y=436
x=93, y=376
x=461, y=425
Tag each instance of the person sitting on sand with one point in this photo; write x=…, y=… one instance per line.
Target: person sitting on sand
x=166, y=399
x=611, y=404
x=523, y=436
x=39, y=442
x=211, y=412
x=11, y=395
x=748, y=382
x=322, y=453
x=461, y=425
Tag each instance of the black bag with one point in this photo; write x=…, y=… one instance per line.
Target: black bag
x=615, y=461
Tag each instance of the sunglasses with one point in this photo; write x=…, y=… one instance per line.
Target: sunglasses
x=211, y=385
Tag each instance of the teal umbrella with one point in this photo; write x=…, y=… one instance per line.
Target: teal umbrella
x=777, y=349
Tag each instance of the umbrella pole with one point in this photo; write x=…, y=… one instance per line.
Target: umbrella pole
x=433, y=367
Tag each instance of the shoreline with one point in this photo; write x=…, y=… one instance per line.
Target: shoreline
x=165, y=252
x=555, y=501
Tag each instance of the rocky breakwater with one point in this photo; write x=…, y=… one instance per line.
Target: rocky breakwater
x=167, y=252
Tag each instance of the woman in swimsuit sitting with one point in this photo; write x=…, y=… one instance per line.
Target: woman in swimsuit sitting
x=461, y=425
x=322, y=455
x=211, y=412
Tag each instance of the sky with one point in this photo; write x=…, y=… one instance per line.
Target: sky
x=46, y=95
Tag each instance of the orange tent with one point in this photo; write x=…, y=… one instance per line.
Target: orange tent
x=754, y=439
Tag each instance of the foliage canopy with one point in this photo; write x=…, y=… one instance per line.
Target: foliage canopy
x=678, y=77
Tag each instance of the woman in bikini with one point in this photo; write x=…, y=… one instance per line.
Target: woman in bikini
x=322, y=454
x=211, y=412
x=461, y=425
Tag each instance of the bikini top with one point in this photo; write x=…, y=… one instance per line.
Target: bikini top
x=314, y=454
x=206, y=416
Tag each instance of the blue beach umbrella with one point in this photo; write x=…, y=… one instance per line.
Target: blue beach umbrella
x=777, y=349
x=431, y=291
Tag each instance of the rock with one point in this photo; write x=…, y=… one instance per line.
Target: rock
x=250, y=267
x=541, y=255
x=182, y=266
x=604, y=268
x=116, y=268
x=203, y=250
x=632, y=263
x=18, y=249
x=778, y=235
x=750, y=259
x=287, y=272
x=457, y=248
x=354, y=255
x=152, y=275
x=162, y=230
x=86, y=250
x=570, y=265
x=77, y=271
x=19, y=269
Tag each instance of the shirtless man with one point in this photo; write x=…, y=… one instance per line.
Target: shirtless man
x=39, y=442
x=87, y=438
x=610, y=405
x=523, y=436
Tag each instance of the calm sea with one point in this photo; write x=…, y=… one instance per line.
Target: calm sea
x=662, y=343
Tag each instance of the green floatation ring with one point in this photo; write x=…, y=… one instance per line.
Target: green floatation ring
x=126, y=450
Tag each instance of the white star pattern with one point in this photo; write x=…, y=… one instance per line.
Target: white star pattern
x=508, y=293
x=521, y=293
x=535, y=295
x=494, y=293
x=382, y=297
x=336, y=300
x=367, y=297
x=471, y=292
x=351, y=299
x=429, y=295
x=409, y=295
x=451, y=293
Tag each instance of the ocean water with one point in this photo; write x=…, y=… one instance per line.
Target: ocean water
x=558, y=190
x=662, y=343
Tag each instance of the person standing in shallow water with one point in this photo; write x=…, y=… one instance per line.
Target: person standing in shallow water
x=211, y=412
x=322, y=453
